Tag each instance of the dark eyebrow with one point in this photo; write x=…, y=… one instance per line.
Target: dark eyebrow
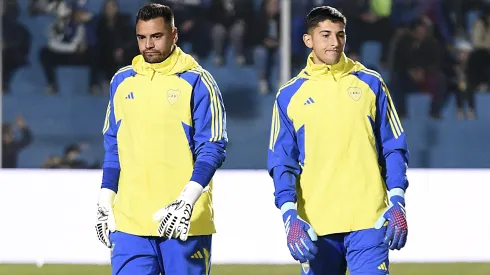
x=153, y=34
x=329, y=32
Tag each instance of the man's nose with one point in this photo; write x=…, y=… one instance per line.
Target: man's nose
x=149, y=44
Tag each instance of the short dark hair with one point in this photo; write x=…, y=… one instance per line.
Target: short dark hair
x=153, y=11
x=320, y=14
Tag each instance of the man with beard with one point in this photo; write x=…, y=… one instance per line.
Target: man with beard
x=164, y=136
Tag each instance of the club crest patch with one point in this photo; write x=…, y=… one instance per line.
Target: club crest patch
x=355, y=93
x=173, y=96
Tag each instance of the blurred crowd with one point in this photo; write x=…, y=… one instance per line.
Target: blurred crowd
x=17, y=136
x=427, y=46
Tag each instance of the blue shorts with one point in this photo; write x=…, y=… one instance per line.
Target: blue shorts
x=153, y=255
x=363, y=252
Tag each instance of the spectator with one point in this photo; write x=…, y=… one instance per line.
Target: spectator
x=72, y=159
x=461, y=10
x=52, y=162
x=67, y=45
x=16, y=43
x=417, y=65
x=454, y=68
x=40, y=7
x=11, y=146
x=368, y=22
x=267, y=37
x=90, y=25
x=116, y=43
x=230, y=18
x=478, y=70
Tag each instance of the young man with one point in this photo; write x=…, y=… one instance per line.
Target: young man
x=336, y=147
x=165, y=136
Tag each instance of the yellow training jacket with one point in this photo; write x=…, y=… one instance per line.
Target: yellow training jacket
x=336, y=145
x=161, y=118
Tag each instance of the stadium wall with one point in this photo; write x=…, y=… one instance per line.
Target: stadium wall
x=48, y=217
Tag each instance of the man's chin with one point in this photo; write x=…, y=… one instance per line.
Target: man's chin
x=331, y=60
x=153, y=59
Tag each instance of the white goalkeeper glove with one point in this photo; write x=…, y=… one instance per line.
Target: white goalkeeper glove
x=174, y=220
x=105, y=217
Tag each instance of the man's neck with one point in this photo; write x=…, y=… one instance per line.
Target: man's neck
x=316, y=60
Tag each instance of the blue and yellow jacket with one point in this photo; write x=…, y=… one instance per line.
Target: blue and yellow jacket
x=336, y=146
x=161, y=120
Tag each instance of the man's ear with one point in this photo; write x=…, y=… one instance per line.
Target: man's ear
x=307, y=39
x=175, y=34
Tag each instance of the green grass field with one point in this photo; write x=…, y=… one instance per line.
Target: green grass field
x=396, y=269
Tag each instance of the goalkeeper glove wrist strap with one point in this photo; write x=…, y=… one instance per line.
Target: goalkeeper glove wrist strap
x=287, y=206
x=397, y=192
x=191, y=192
x=106, y=197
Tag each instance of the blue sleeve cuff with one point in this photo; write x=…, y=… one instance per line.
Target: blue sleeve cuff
x=285, y=197
x=110, y=178
x=284, y=184
x=203, y=173
x=396, y=171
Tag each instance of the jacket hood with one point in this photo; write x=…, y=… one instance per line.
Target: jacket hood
x=344, y=67
x=177, y=62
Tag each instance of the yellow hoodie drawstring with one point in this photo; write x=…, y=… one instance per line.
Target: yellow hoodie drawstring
x=153, y=72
